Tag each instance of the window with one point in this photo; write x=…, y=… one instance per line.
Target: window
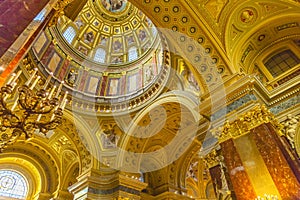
x=41, y=16
x=100, y=55
x=12, y=184
x=132, y=54
x=69, y=34
x=281, y=62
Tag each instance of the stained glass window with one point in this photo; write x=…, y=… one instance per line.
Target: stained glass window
x=12, y=184
x=100, y=55
x=69, y=34
x=281, y=62
x=132, y=54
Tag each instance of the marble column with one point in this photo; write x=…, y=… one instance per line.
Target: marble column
x=251, y=150
x=266, y=139
x=15, y=16
x=239, y=178
x=10, y=36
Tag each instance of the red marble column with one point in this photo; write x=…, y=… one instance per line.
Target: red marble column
x=12, y=65
x=290, y=155
x=15, y=16
x=239, y=178
x=266, y=141
x=215, y=174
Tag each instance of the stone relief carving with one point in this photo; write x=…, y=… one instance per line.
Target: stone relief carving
x=290, y=125
x=109, y=136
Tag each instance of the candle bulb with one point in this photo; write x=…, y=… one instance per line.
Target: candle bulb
x=39, y=117
x=53, y=115
x=31, y=77
x=48, y=81
x=11, y=78
x=63, y=104
x=65, y=97
x=35, y=82
x=51, y=92
x=59, y=89
x=16, y=77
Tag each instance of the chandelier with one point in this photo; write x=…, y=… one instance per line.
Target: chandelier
x=31, y=111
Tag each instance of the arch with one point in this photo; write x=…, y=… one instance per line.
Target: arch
x=29, y=168
x=13, y=184
x=242, y=41
x=187, y=106
x=40, y=159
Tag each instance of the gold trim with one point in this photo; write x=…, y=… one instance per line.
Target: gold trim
x=246, y=122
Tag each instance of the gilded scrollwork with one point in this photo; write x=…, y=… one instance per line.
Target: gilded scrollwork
x=251, y=119
x=59, y=11
x=211, y=159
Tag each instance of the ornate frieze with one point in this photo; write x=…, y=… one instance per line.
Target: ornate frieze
x=246, y=122
x=284, y=105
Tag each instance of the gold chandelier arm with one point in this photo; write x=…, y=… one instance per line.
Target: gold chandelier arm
x=32, y=112
x=26, y=97
x=9, y=120
x=55, y=121
x=9, y=138
x=5, y=91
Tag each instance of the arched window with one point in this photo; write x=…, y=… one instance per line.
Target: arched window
x=132, y=54
x=100, y=55
x=69, y=34
x=281, y=62
x=12, y=184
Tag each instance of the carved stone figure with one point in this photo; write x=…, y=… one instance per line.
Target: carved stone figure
x=290, y=126
x=109, y=137
x=72, y=77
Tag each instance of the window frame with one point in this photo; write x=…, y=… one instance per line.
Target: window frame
x=272, y=51
x=72, y=40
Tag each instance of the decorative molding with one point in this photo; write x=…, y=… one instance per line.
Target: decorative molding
x=211, y=159
x=290, y=126
x=249, y=120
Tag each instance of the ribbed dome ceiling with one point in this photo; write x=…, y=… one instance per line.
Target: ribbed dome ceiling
x=110, y=57
x=119, y=31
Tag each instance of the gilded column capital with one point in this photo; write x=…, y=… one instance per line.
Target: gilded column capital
x=211, y=159
x=246, y=122
x=59, y=11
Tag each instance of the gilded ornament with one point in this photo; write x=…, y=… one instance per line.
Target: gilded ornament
x=211, y=159
x=247, y=16
x=246, y=122
x=59, y=11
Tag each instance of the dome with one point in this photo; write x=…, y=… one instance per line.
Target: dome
x=109, y=34
x=110, y=55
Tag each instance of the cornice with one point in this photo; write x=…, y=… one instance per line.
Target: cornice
x=249, y=89
x=253, y=118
